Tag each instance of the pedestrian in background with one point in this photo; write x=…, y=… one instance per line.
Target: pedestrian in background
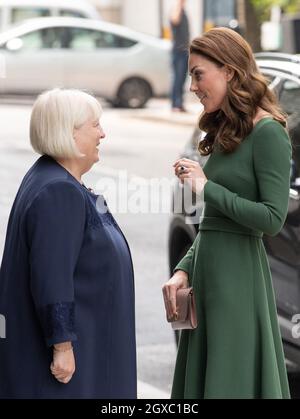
x=66, y=279
x=236, y=350
x=180, y=43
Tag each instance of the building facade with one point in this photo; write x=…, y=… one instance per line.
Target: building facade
x=149, y=16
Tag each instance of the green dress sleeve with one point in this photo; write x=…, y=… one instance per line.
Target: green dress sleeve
x=185, y=263
x=272, y=164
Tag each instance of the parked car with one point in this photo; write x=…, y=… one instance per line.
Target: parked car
x=123, y=66
x=283, y=250
x=15, y=11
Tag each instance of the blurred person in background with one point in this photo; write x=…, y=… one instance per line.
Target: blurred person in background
x=66, y=279
x=236, y=350
x=180, y=43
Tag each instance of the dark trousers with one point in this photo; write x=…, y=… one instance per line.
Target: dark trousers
x=180, y=65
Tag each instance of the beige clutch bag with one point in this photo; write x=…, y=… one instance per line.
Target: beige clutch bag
x=186, y=316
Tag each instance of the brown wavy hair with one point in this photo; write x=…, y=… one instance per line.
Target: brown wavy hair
x=247, y=90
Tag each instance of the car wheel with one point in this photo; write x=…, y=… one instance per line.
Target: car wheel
x=133, y=93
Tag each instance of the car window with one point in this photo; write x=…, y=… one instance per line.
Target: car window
x=41, y=39
x=274, y=81
x=269, y=79
x=290, y=97
x=290, y=102
x=21, y=13
x=88, y=40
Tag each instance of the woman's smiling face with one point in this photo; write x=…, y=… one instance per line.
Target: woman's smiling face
x=208, y=82
x=87, y=138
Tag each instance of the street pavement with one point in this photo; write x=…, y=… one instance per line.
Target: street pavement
x=147, y=391
x=159, y=110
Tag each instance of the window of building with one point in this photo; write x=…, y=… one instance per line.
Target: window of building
x=71, y=13
x=219, y=12
x=22, y=13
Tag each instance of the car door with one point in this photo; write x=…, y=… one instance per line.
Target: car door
x=284, y=249
x=33, y=61
x=96, y=60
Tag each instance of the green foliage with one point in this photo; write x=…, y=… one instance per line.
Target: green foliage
x=263, y=7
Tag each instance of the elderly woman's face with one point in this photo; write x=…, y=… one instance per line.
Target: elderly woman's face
x=209, y=82
x=87, y=138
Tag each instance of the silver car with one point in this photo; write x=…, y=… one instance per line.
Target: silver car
x=123, y=66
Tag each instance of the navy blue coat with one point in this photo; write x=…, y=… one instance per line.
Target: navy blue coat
x=66, y=275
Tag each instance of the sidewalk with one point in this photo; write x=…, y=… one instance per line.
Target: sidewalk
x=159, y=110
x=146, y=391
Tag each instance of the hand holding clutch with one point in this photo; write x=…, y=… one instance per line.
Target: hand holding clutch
x=186, y=316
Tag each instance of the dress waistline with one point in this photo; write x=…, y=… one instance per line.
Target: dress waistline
x=226, y=225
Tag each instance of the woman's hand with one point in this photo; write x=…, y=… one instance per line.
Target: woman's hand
x=178, y=280
x=192, y=172
x=63, y=364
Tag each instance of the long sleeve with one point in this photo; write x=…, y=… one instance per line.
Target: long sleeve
x=55, y=226
x=272, y=163
x=185, y=263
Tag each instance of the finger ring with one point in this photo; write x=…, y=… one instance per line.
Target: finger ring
x=182, y=168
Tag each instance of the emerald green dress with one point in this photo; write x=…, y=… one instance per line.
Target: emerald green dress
x=236, y=351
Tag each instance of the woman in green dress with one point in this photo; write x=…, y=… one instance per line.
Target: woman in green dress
x=236, y=350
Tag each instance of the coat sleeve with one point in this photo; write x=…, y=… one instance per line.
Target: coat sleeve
x=272, y=164
x=55, y=227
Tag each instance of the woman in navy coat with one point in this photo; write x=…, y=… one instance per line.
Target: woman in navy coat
x=66, y=279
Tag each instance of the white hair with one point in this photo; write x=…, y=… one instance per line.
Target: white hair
x=55, y=115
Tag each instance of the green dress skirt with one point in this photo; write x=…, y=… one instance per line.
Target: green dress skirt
x=236, y=351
